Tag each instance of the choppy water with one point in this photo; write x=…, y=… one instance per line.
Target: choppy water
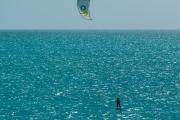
x=77, y=75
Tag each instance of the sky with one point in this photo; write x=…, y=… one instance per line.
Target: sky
x=106, y=14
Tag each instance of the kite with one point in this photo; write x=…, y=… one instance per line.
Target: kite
x=83, y=7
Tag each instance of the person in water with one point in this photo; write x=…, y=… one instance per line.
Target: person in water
x=118, y=104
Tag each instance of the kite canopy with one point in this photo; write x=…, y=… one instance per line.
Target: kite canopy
x=83, y=7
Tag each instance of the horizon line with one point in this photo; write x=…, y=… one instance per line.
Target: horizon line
x=89, y=29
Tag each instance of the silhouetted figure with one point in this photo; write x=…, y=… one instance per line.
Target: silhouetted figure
x=118, y=104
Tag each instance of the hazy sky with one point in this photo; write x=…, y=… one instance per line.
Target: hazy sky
x=106, y=14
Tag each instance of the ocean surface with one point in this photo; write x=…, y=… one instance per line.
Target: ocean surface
x=77, y=75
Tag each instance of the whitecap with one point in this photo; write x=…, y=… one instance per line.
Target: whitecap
x=59, y=93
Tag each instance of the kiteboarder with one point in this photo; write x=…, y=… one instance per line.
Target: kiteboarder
x=118, y=104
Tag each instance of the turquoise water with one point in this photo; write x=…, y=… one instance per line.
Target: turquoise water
x=77, y=75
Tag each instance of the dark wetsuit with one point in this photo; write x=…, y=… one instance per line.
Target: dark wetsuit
x=118, y=104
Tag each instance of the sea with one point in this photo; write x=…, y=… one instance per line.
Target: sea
x=78, y=75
